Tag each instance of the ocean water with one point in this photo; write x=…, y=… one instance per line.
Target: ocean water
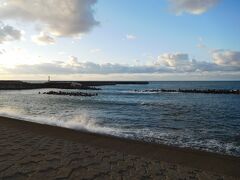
x=209, y=122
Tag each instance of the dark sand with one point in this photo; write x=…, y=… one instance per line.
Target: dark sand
x=33, y=151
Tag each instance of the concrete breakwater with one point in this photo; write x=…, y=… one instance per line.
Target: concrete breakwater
x=90, y=85
x=20, y=85
x=205, y=91
x=61, y=93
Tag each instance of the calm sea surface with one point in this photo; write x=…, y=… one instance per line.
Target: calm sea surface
x=201, y=121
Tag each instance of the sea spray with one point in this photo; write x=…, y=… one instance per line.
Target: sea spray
x=78, y=121
x=84, y=122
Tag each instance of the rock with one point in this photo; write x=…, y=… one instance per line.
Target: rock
x=206, y=91
x=70, y=93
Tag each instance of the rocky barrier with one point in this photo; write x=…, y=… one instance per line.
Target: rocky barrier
x=205, y=91
x=61, y=93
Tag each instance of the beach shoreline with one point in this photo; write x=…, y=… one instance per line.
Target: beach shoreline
x=205, y=161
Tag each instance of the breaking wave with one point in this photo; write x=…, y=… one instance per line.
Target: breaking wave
x=77, y=122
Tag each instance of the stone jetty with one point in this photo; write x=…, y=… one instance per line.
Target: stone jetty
x=21, y=85
x=205, y=91
x=61, y=93
x=89, y=85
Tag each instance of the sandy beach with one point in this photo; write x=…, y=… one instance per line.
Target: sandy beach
x=33, y=151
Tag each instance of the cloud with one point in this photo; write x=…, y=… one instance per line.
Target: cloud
x=130, y=37
x=43, y=39
x=9, y=33
x=195, y=7
x=73, y=66
x=226, y=58
x=174, y=60
x=58, y=17
x=171, y=63
x=177, y=62
x=180, y=62
x=73, y=61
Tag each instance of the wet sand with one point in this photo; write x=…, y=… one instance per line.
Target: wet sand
x=33, y=151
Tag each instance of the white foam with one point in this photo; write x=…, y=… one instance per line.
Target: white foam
x=140, y=92
x=77, y=122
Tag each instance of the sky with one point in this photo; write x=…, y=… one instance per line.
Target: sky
x=120, y=40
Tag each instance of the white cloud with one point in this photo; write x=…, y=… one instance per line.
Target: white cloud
x=180, y=62
x=72, y=61
x=174, y=59
x=171, y=63
x=43, y=39
x=130, y=37
x=73, y=66
x=58, y=17
x=9, y=33
x=226, y=58
x=195, y=7
x=177, y=62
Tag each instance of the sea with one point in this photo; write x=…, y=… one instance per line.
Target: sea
x=209, y=122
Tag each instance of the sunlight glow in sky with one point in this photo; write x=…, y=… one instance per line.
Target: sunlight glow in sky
x=119, y=40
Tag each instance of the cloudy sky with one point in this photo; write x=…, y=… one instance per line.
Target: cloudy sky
x=120, y=39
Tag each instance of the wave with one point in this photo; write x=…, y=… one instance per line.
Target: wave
x=147, y=92
x=77, y=122
x=139, y=92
